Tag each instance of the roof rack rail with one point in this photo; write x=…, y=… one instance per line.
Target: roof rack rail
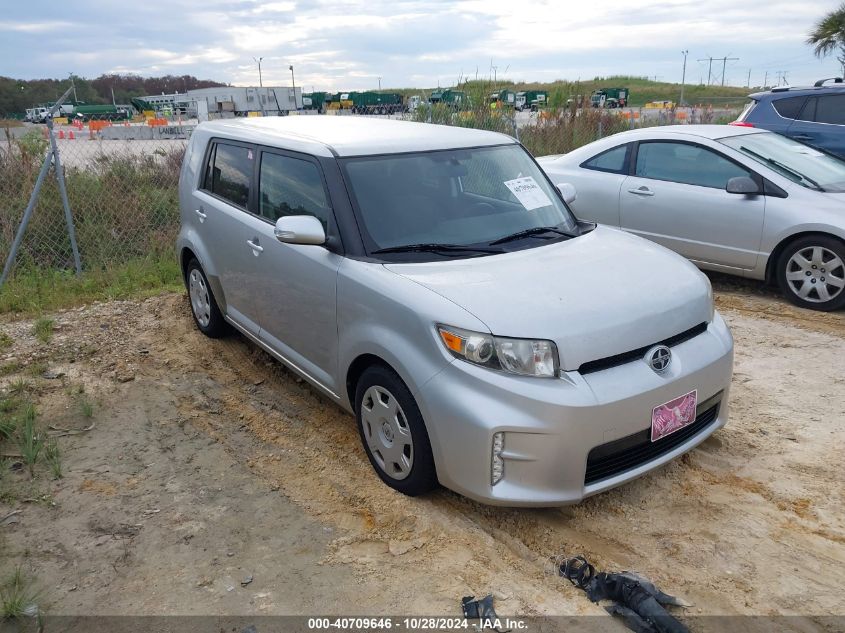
x=821, y=82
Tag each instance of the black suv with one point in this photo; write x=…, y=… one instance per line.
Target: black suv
x=813, y=115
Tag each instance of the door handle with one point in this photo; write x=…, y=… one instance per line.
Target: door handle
x=256, y=249
x=202, y=216
x=642, y=191
x=802, y=137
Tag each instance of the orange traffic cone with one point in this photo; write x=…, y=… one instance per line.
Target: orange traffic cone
x=61, y=134
x=70, y=135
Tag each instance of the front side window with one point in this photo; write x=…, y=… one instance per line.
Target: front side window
x=613, y=160
x=687, y=164
x=291, y=186
x=229, y=173
x=798, y=162
x=457, y=197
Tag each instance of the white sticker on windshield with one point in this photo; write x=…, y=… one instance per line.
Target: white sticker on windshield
x=528, y=192
x=803, y=149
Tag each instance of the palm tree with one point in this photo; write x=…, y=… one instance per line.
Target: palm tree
x=829, y=35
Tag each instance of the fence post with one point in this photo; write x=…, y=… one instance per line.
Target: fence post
x=60, y=177
x=600, y=126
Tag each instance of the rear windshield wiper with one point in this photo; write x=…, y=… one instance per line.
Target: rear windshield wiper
x=437, y=248
x=528, y=233
x=782, y=167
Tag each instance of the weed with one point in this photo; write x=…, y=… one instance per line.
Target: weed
x=18, y=596
x=36, y=369
x=12, y=367
x=5, y=341
x=30, y=441
x=19, y=387
x=53, y=456
x=86, y=407
x=9, y=404
x=43, y=329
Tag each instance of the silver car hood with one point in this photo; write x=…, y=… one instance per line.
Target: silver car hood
x=595, y=296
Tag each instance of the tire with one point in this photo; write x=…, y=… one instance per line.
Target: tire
x=811, y=272
x=393, y=432
x=204, y=308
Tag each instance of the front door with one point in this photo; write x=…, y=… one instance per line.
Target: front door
x=297, y=302
x=677, y=198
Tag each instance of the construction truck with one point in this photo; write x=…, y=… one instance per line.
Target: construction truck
x=106, y=112
x=315, y=101
x=531, y=100
x=502, y=99
x=447, y=96
x=609, y=98
x=377, y=102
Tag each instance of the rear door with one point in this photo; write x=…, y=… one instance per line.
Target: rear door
x=821, y=123
x=676, y=196
x=222, y=215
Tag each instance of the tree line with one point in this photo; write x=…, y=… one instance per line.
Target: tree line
x=16, y=95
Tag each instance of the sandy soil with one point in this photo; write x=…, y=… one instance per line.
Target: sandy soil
x=209, y=464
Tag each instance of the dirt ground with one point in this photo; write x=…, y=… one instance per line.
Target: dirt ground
x=215, y=482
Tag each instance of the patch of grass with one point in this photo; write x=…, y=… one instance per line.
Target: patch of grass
x=12, y=367
x=18, y=596
x=86, y=407
x=32, y=291
x=53, y=457
x=30, y=441
x=5, y=341
x=19, y=387
x=36, y=369
x=43, y=329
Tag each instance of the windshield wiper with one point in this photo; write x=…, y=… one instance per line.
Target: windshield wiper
x=530, y=232
x=437, y=248
x=780, y=165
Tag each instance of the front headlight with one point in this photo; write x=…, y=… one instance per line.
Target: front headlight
x=525, y=357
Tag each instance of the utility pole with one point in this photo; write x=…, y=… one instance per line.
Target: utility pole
x=748, y=81
x=379, y=84
x=709, y=60
x=293, y=83
x=260, y=79
x=683, y=75
x=724, y=63
x=72, y=85
x=765, y=79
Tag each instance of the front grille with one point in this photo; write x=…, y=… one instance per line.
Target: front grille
x=634, y=354
x=627, y=453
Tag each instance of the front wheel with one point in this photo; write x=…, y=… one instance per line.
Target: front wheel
x=811, y=272
x=393, y=432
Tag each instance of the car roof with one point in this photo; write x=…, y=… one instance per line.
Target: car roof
x=797, y=91
x=702, y=130
x=351, y=135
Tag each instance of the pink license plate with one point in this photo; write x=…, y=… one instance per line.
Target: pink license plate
x=673, y=415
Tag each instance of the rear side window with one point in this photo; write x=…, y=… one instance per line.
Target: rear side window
x=831, y=109
x=687, y=164
x=789, y=107
x=613, y=160
x=291, y=186
x=229, y=173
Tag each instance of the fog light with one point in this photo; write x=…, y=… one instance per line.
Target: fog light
x=498, y=464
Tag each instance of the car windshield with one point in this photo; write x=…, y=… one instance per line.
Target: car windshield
x=796, y=161
x=456, y=198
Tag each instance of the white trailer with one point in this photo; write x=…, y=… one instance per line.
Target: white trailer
x=230, y=101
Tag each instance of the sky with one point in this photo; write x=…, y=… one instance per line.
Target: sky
x=361, y=44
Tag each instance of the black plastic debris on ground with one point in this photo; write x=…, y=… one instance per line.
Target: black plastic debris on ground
x=481, y=610
x=636, y=599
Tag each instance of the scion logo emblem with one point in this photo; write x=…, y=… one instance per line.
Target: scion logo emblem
x=658, y=358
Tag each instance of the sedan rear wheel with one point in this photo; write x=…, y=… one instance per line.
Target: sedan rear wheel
x=204, y=308
x=811, y=273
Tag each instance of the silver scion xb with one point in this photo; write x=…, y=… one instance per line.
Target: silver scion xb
x=433, y=282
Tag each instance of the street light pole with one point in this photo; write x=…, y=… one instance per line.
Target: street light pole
x=684, y=75
x=293, y=82
x=379, y=84
x=260, y=79
x=73, y=85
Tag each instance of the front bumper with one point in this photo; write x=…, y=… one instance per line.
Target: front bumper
x=551, y=425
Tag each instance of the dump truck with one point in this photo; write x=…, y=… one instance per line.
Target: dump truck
x=315, y=101
x=377, y=102
x=531, y=100
x=609, y=98
x=448, y=96
x=502, y=99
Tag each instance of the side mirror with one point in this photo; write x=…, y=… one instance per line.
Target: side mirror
x=299, y=229
x=742, y=185
x=568, y=192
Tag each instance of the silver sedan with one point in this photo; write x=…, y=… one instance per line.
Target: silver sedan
x=732, y=199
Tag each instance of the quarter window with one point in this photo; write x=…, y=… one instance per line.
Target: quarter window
x=229, y=173
x=687, y=164
x=789, y=107
x=831, y=109
x=290, y=186
x=612, y=160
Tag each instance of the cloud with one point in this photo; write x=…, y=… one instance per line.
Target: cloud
x=349, y=44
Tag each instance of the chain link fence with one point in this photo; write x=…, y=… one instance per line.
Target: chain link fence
x=122, y=176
